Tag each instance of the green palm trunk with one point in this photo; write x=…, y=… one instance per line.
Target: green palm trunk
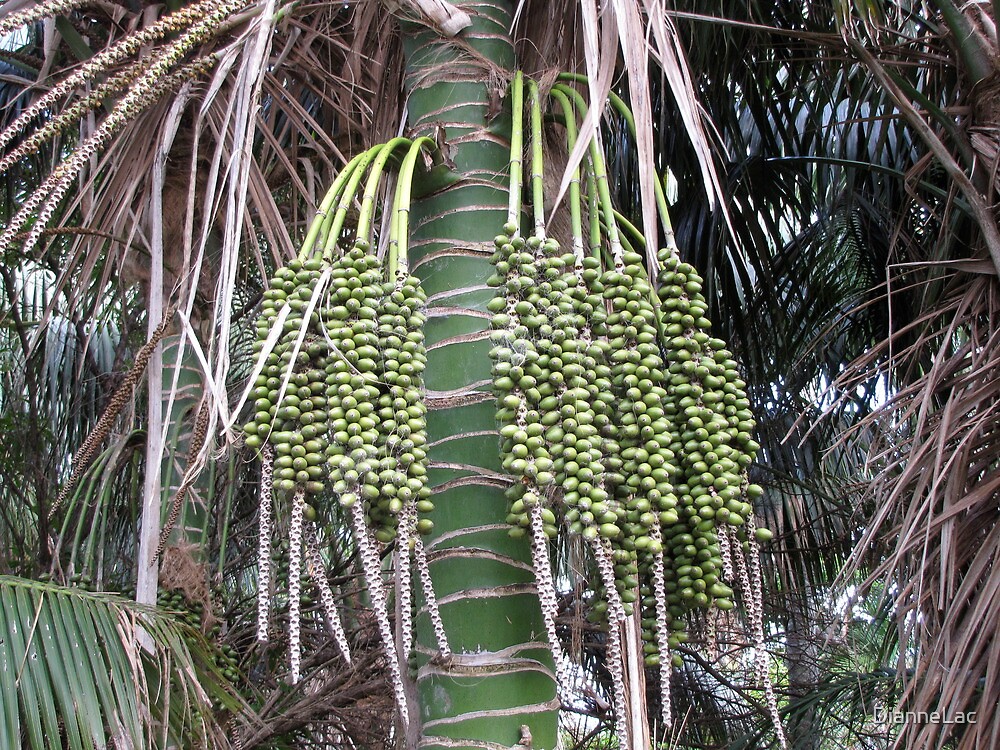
x=181, y=414
x=499, y=677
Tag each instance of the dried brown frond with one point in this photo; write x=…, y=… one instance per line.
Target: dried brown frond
x=934, y=537
x=348, y=705
x=180, y=571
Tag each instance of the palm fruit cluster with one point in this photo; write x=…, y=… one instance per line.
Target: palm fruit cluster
x=712, y=428
x=402, y=411
x=552, y=382
x=190, y=613
x=340, y=396
x=339, y=406
x=642, y=484
x=290, y=394
x=624, y=418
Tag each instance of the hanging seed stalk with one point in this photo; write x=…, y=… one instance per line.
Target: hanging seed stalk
x=373, y=578
x=317, y=573
x=264, y=533
x=295, y=583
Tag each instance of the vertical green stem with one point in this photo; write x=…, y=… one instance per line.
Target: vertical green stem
x=661, y=200
x=594, y=212
x=576, y=218
x=227, y=512
x=537, y=161
x=516, y=149
x=599, y=192
x=401, y=211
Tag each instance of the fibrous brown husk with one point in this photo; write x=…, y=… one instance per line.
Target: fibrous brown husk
x=179, y=571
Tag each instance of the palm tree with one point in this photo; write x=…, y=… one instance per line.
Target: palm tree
x=237, y=115
x=518, y=699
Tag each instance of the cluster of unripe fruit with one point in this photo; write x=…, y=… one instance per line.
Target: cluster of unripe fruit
x=552, y=386
x=623, y=418
x=226, y=657
x=340, y=396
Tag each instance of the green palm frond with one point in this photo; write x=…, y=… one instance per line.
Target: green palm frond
x=859, y=672
x=74, y=674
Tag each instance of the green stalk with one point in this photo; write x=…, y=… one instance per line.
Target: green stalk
x=600, y=172
x=227, y=513
x=661, y=199
x=176, y=456
x=516, y=149
x=969, y=45
x=371, y=186
x=606, y=204
x=401, y=211
x=98, y=468
x=347, y=196
x=95, y=527
x=136, y=482
x=97, y=523
x=183, y=386
x=209, y=487
x=631, y=234
x=576, y=218
x=97, y=530
x=319, y=229
x=594, y=211
x=95, y=469
x=537, y=161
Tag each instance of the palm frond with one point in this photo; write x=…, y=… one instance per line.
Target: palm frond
x=935, y=529
x=74, y=674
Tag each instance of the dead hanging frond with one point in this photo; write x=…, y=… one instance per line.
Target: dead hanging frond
x=935, y=534
x=353, y=701
x=122, y=395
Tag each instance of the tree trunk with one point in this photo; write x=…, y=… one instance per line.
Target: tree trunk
x=801, y=660
x=497, y=688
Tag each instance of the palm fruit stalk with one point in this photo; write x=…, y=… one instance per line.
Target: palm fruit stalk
x=338, y=392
